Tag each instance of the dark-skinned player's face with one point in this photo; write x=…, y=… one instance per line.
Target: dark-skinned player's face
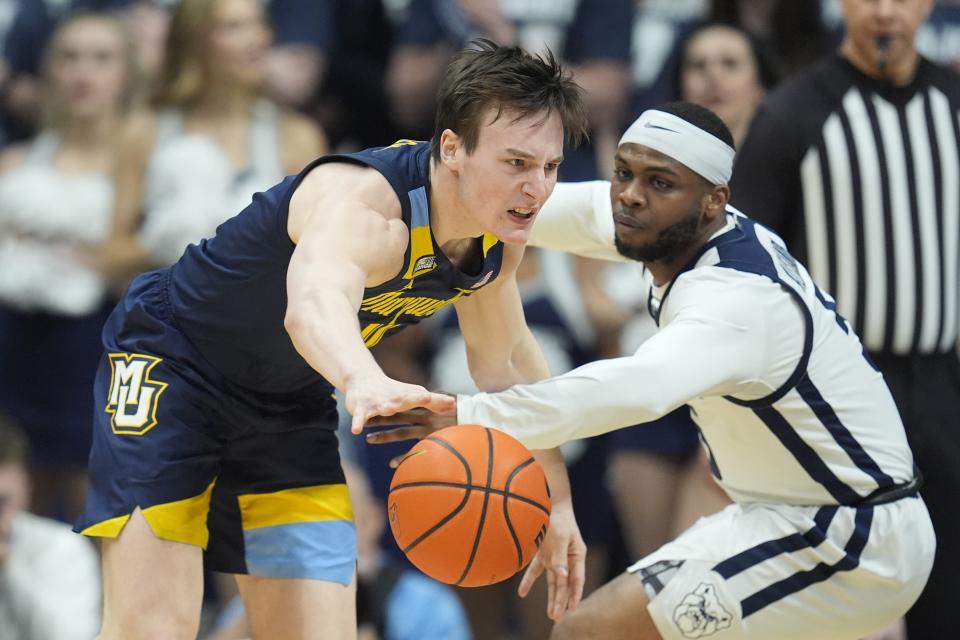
x=657, y=204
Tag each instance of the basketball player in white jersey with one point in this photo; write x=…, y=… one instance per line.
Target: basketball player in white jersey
x=827, y=537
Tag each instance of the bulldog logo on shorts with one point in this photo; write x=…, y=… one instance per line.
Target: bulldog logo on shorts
x=700, y=613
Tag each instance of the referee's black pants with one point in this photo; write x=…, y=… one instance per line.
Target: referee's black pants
x=927, y=391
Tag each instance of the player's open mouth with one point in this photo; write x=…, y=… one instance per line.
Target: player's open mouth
x=523, y=214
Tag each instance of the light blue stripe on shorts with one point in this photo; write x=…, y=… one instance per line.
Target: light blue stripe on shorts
x=322, y=550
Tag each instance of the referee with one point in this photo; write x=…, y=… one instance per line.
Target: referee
x=855, y=163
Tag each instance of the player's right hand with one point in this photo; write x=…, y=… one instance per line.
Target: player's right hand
x=380, y=396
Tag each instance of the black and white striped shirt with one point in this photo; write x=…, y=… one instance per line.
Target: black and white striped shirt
x=862, y=179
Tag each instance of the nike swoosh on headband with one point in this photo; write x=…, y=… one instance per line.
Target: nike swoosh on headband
x=650, y=125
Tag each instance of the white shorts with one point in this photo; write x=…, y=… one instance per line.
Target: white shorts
x=765, y=572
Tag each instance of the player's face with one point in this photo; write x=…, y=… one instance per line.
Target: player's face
x=719, y=72
x=505, y=180
x=657, y=204
x=88, y=68
x=895, y=20
x=238, y=41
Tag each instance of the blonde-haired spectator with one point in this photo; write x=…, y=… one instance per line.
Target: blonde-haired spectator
x=210, y=141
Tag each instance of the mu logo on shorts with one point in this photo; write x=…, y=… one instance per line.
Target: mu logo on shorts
x=700, y=613
x=133, y=395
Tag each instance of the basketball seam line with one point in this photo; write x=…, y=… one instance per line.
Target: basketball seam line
x=463, y=503
x=460, y=485
x=506, y=512
x=483, y=509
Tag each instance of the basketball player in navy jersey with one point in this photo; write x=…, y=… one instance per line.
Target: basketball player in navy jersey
x=217, y=424
x=827, y=536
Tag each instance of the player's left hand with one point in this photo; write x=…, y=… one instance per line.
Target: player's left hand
x=562, y=554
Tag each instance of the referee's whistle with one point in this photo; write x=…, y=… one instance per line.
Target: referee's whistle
x=881, y=44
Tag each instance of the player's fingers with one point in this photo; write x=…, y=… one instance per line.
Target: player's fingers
x=435, y=402
x=558, y=602
x=390, y=421
x=396, y=435
x=534, y=569
x=359, y=419
x=551, y=591
x=578, y=577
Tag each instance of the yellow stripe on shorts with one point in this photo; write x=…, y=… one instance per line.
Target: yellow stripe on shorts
x=180, y=521
x=108, y=528
x=303, y=504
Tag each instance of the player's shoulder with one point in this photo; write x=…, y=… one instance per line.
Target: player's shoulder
x=717, y=296
x=341, y=189
x=340, y=179
x=723, y=282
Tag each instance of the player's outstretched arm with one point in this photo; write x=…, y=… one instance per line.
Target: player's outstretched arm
x=720, y=338
x=344, y=244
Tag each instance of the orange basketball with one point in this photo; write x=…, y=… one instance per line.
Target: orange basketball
x=469, y=505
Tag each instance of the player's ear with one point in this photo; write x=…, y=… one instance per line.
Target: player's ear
x=715, y=200
x=450, y=145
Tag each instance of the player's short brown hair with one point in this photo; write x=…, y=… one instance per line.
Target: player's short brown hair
x=487, y=75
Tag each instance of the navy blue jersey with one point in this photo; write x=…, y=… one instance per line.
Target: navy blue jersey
x=228, y=293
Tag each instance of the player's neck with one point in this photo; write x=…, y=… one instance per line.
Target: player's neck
x=450, y=223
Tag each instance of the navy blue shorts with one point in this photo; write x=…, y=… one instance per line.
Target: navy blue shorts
x=254, y=479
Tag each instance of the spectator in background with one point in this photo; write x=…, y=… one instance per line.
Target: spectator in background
x=658, y=29
x=49, y=577
x=210, y=142
x=296, y=63
x=791, y=31
x=592, y=37
x=56, y=197
x=353, y=106
x=724, y=69
x=25, y=28
x=855, y=164
x=303, y=38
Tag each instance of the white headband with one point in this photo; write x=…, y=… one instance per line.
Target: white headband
x=688, y=144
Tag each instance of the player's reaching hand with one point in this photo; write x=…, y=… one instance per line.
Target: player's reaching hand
x=414, y=424
x=377, y=395
x=563, y=555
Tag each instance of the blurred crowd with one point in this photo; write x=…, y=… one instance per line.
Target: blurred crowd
x=131, y=128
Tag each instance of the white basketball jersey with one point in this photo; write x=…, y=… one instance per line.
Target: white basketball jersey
x=831, y=434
